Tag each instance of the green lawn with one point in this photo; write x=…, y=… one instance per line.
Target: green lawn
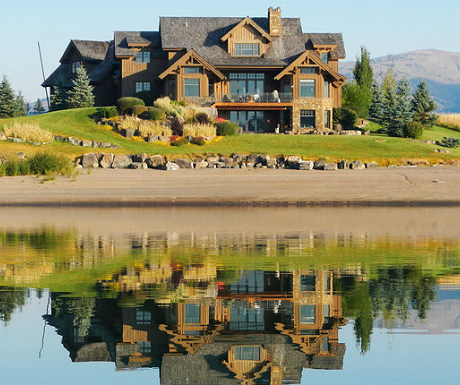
x=375, y=147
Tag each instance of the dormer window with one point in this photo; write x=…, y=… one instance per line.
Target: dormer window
x=74, y=66
x=142, y=57
x=325, y=57
x=192, y=70
x=247, y=49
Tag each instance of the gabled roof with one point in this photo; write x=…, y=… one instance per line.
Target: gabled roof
x=318, y=39
x=88, y=49
x=125, y=40
x=183, y=60
x=204, y=34
x=317, y=60
x=250, y=22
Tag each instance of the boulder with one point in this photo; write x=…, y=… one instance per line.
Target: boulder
x=212, y=159
x=343, y=165
x=249, y=165
x=372, y=165
x=106, y=161
x=220, y=165
x=96, y=144
x=2, y=136
x=154, y=161
x=293, y=161
x=89, y=161
x=138, y=165
x=104, y=145
x=139, y=157
x=171, y=166
x=87, y=143
x=201, y=164
x=163, y=139
x=305, y=165
x=121, y=161
x=330, y=167
x=263, y=159
x=252, y=158
x=127, y=132
x=183, y=163
x=227, y=161
x=238, y=158
x=74, y=141
x=16, y=140
x=357, y=165
x=57, y=138
x=319, y=164
x=271, y=163
x=152, y=138
x=21, y=155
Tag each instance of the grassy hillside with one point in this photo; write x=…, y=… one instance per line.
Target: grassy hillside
x=382, y=149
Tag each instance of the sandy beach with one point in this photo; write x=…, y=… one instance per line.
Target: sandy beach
x=430, y=186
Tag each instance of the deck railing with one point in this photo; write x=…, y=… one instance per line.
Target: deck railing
x=265, y=97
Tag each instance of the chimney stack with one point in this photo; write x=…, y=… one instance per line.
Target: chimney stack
x=274, y=21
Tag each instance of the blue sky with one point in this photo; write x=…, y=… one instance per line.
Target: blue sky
x=384, y=27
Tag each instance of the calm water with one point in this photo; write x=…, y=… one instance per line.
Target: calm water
x=244, y=297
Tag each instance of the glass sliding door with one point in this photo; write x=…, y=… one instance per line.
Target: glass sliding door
x=249, y=121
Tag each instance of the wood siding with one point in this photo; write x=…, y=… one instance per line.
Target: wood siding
x=247, y=34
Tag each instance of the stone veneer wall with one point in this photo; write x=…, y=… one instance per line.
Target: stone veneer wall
x=318, y=104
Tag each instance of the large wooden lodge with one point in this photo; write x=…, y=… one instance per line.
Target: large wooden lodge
x=262, y=72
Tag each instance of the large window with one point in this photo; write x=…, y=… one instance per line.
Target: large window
x=308, y=70
x=307, y=88
x=246, y=49
x=326, y=88
x=192, y=70
x=307, y=283
x=325, y=57
x=143, y=57
x=246, y=83
x=250, y=353
x=192, y=313
x=307, y=118
x=143, y=317
x=307, y=314
x=327, y=119
x=74, y=66
x=142, y=86
x=144, y=347
x=191, y=87
x=249, y=121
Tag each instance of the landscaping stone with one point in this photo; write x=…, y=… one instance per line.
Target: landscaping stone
x=154, y=161
x=170, y=166
x=293, y=162
x=271, y=163
x=121, y=161
x=252, y=158
x=183, y=163
x=238, y=158
x=115, y=146
x=330, y=167
x=263, y=159
x=372, y=165
x=152, y=138
x=201, y=164
x=127, y=132
x=96, y=144
x=89, y=161
x=57, y=138
x=163, y=139
x=139, y=157
x=16, y=140
x=227, y=161
x=249, y=165
x=105, y=145
x=138, y=165
x=305, y=165
x=220, y=165
x=357, y=165
x=74, y=141
x=86, y=143
x=343, y=165
x=319, y=164
x=235, y=165
x=442, y=150
x=21, y=155
x=212, y=159
x=106, y=161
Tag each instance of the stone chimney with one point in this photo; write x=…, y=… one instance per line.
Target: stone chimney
x=274, y=21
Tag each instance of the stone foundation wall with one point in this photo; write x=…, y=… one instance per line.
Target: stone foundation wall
x=318, y=104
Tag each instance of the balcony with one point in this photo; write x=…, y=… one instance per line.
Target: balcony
x=265, y=97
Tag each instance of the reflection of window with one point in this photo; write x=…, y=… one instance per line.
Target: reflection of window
x=247, y=318
x=144, y=347
x=143, y=317
x=307, y=283
x=246, y=49
x=308, y=70
x=191, y=87
x=191, y=70
x=250, y=353
x=307, y=314
x=307, y=118
x=327, y=279
x=325, y=345
x=307, y=88
x=192, y=313
x=142, y=86
x=142, y=57
x=327, y=312
x=74, y=66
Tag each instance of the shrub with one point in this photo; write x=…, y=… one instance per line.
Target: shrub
x=147, y=128
x=147, y=96
x=45, y=163
x=203, y=118
x=107, y=112
x=345, y=116
x=29, y=132
x=413, y=130
x=139, y=109
x=171, y=108
x=450, y=142
x=125, y=104
x=11, y=168
x=180, y=142
x=153, y=113
x=199, y=130
x=226, y=128
x=177, y=126
x=198, y=140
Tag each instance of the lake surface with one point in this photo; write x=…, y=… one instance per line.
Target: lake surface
x=230, y=296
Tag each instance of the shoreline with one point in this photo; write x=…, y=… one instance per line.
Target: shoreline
x=382, y=187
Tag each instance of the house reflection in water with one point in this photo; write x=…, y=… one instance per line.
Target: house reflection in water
x=264, y=327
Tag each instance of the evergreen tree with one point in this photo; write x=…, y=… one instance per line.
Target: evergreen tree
x=401, y=112
x=38, y=107
x=81, y=94
x=423, y=105
x=58, y=96
x=20, y=105
x=389, y=85
x=7, y=99
x=377, y=109
x=354, y=98
x=364, y=75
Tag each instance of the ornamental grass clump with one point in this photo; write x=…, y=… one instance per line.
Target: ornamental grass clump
x=451, y=121
x=129, y=122
x=197, y=129
x=175, y=109
x=147, y=128
x=29, y=132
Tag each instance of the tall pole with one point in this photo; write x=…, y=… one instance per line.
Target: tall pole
x=43, y=73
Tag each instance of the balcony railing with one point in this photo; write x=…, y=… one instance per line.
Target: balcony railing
x=266, y=97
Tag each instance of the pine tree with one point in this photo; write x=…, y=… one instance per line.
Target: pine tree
x=81, y=94
x=401, y=113
x=20, y=105
x=7, y=99
x=377, y=109
x=58, y=96
x=364, y=75
x=38, y=107
x=423, y=105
